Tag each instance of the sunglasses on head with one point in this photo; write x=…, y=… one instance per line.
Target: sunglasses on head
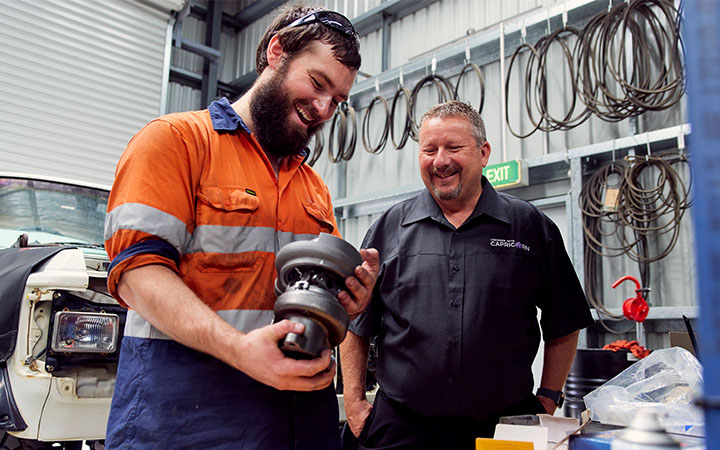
x=330, y=19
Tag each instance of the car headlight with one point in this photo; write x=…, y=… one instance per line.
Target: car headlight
x=85, y=332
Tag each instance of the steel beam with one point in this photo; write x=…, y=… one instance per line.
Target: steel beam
x=396, y=9
x=213, y=29
x=702, y=47
x=257, y=10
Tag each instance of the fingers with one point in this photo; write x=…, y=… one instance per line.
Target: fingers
x=357, y=415
x=356, y=428
x=360, y=286
x=307, y=368
x=280, y=329
x=264, y=361
x=312, y=374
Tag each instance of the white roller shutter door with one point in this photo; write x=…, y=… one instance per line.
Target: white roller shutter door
x=77, y=79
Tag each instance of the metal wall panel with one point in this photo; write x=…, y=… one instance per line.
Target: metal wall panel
x=77, y=79
x=239, y=49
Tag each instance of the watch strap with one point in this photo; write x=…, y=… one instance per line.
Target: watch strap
x=557, y=396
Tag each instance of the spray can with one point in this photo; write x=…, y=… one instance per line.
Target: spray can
x=644, y=433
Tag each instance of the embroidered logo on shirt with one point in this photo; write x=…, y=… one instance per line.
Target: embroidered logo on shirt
x=512, y=243
x=251, y=192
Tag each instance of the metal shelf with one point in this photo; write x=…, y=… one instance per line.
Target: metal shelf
x=659, y=312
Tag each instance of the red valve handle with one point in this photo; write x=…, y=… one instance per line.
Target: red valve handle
x=634, y=308
x=625, y=278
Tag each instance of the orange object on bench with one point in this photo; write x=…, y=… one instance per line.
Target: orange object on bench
x=636, y=349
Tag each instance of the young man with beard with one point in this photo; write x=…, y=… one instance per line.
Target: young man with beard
x=201, y=202
x=463, y=270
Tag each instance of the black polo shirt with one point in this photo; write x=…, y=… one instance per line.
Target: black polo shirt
x=454, y=310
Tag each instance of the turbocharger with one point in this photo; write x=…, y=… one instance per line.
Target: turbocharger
x=310, y=276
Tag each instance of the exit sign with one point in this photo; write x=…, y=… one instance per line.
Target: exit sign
x=508, y=174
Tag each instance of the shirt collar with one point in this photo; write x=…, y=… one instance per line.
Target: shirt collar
x=224, y=117
x=490, y=203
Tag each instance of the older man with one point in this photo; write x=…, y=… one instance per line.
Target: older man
x=463, y=269
x=201, y=203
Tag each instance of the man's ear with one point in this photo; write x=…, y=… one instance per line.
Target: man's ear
x=274, y=52
x=485, y=153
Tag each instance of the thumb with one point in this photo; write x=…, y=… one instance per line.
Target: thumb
x=282, y=328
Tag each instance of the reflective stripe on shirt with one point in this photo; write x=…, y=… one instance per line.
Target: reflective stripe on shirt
x=205, y=239
x=139, y=217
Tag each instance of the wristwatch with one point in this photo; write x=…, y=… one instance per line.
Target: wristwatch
x=557, y=396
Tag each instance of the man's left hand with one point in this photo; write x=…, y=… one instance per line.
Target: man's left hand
x=548, y=404
x=360, y=287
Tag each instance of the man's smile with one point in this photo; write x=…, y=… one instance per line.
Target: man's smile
x=305, y=116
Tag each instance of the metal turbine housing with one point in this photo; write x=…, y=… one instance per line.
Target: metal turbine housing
x=310, y=276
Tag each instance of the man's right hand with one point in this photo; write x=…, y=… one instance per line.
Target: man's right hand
x=262, y=359
x=357, y=412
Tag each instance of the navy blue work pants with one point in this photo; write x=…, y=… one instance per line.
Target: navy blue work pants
x=168, y=396
x=394, y=426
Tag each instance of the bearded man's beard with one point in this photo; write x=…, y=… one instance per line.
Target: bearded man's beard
x=271, y=108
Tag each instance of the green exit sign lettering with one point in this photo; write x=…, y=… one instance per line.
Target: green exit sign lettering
x=507, y=174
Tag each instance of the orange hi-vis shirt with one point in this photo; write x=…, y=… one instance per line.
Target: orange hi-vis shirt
x=198, y=195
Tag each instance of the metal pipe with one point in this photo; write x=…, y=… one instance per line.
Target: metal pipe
x=167, y=56
x=385, y=42
x=502, y=92
x=702, y=54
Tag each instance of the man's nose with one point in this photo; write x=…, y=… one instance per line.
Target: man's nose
x=442, y=158
x=324, y=107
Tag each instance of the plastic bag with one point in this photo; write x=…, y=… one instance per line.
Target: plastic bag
x=668, y=380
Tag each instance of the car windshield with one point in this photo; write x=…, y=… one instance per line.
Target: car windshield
x=50, y=212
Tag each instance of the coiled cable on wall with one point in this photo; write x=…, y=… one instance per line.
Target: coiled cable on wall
x=345, y=148
x=516, y=53
x=626, y=205
x=402, y=92
x=606, y=181
x=376, y=149
x=651, y=211
x=444, y=93
x=540, y=88
x=615, y=85
x=317, y=149
x=625, y=61
x=481, y=81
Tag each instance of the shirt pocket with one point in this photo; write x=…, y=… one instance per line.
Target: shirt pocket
x=228, y=206
x=320, y=213
x=237, y=211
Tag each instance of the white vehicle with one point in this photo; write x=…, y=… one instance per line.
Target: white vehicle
x=60, y=330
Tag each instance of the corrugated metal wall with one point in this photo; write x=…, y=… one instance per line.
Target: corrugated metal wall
x=77, y=79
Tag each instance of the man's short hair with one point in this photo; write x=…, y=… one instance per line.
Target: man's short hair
x=346, y=49
x=456, y=108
